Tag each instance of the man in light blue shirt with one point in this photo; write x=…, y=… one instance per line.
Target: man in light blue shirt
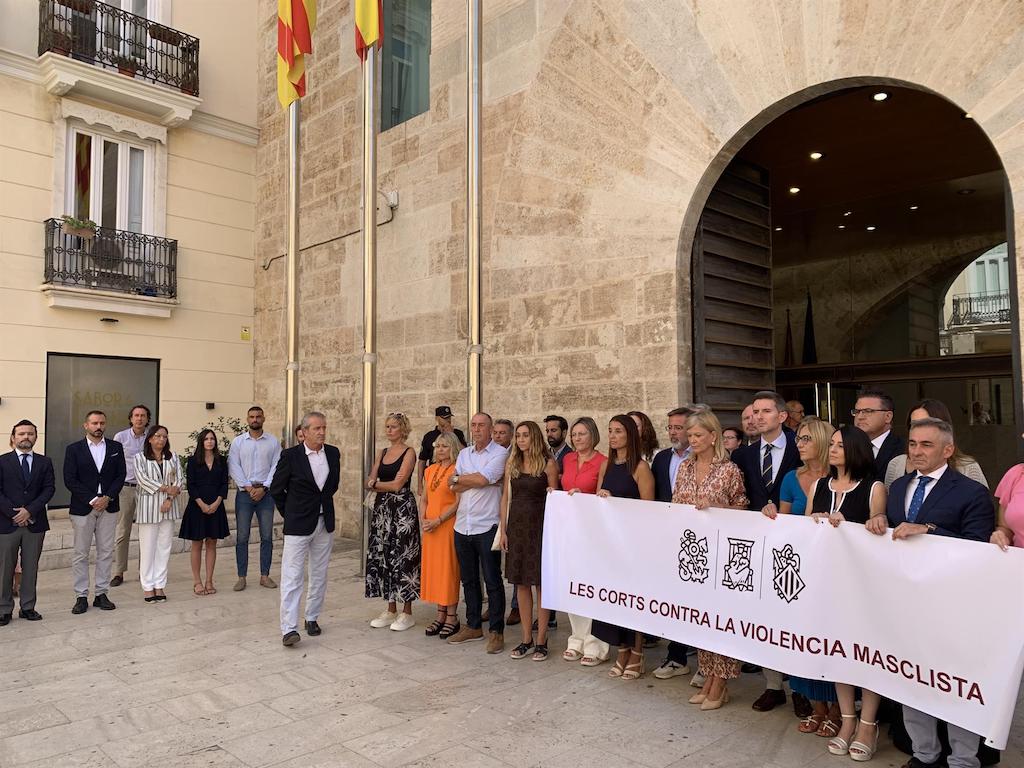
x=479, y=472
x=252, y=460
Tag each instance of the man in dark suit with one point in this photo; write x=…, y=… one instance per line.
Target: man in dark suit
x=94, y=472
x=26, y=485
x=665, y=466
x=303, y=489
x=873, y=416
x=933, y=498
x=764, y=463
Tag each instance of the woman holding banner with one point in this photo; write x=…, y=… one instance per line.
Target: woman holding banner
x=707, y=478
x=812, y=441
x=850, y=494
x=625, y=475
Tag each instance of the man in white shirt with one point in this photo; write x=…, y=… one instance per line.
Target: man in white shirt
x=873, y=415
x=133, y=439
x=479, y=471
x=252, y=459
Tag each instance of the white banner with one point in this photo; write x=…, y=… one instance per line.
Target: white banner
x=932, y=622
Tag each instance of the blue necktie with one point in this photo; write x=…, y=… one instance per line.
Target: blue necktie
x=918, y=499
x=25, y=471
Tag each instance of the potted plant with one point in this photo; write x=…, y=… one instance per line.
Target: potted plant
x=126, y=66
x=164, y=34
x=84, y=228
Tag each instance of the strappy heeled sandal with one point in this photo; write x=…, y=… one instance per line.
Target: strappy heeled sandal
x=634, y=669
x=571, y=654
x=829, y=728
x=861, y=752
x=619, y=667
x=540, y=652
x=449, y=628
x=521, y=650
x=840, y=746
x=812, y=723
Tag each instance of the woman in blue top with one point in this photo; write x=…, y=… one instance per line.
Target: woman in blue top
x=812, y=440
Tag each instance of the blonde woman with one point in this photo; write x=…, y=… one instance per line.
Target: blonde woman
x=393, y=546
x=158, y=506
x=812, y=441
x=529, y=474
x=707, y=478
x=439, y=577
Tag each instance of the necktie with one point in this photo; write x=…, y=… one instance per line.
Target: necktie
x=766, y=466
x=918, y=498
x=25, y=471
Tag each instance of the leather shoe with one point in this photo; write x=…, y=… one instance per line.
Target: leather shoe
x=313, y=629
x=5, y=619
x=913, y=762
x=513, y=618
x=81, y=605
x=103, y=603
x=30, y=614
x=769, y=700
x=117, y=581
x=291, y=638
x=801, y=706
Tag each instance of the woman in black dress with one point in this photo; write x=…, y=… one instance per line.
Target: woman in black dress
x=851, y=495
x=625, y=475
x=205, y=519
x=393, y=546
x=529, y=474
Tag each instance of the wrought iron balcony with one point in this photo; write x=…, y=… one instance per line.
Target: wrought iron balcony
x=101, y=34
x=110, y=260
x=980, y=309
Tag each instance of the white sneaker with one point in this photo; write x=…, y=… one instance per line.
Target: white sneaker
x=403, y=622
x=671, y=669
x=697, y=681
x=384, y=620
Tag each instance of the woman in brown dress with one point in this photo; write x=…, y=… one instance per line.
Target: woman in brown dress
x=529, y=474
x=707, y=478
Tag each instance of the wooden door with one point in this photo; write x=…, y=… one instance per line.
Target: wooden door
x=733, y=335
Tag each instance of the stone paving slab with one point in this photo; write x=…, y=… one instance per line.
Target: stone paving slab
x=204, y=682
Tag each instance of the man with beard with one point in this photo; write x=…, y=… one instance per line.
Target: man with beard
x=555, y=429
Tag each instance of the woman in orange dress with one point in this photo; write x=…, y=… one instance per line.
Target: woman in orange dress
x=439, y=569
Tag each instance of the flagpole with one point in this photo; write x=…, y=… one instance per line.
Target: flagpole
x=474, y=286
x=292, y=289
x=369, y=227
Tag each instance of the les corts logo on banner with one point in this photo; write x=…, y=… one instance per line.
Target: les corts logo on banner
x=738, y=571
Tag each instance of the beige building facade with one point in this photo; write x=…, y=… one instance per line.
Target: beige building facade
x=607, y=125
x=140, y=116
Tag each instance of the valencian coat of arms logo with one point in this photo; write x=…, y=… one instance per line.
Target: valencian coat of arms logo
x=786, y=567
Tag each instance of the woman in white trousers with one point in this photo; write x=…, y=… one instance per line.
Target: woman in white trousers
x=158, y=507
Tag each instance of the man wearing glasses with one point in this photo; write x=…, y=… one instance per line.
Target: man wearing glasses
x=873, y=415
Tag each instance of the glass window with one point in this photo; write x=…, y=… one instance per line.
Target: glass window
x=82, y=176
x=108, y=181
x=405, y=64
x=108, y=193
x=136, y=183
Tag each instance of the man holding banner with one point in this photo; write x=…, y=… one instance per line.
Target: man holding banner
x=939, y=500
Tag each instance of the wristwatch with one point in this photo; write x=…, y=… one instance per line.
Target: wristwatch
x=931, y=527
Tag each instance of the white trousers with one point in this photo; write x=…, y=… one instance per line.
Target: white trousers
x=581, y=640
x=317, y=547
x=154, y=552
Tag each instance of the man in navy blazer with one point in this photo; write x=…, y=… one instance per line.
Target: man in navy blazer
x=936, y=499
x=26, y=485
x=764, y=463
x=303, y=489
x=94, y=472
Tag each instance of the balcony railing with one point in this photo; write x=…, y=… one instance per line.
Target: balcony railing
x=111, y=260
x=106, y=36
x=980, y=308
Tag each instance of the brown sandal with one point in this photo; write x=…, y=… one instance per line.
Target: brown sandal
x=812, y=724
x=198, y=589
x=829, y=728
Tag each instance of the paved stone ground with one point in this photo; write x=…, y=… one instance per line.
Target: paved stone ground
x=204, y=681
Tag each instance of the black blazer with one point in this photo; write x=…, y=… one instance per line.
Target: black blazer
x=295, y=493
x=663, y=484
x=748, y=459
x=892, y=447
x=81, y=478
x=958, y=506
x=15, y=493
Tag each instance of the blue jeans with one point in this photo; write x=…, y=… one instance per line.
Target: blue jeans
x=244, y=509
x=473, y=550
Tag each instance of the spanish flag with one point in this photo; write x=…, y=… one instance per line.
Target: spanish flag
x=368, y=29
x=296, y=20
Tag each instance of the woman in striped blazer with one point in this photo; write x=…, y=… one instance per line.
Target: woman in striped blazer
x=158, y=506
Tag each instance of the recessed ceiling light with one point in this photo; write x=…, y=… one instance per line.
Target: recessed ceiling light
x=842, y=226
x=968, y=116
x=794, y=190
x=967, y=191
x=913, y=207
x=816, y=155
x=847, y=213
x=880, y=96
x=870, y=228
x=778, y=229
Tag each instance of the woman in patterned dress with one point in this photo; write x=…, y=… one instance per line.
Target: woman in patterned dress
x=393, y=546
x=707, y=478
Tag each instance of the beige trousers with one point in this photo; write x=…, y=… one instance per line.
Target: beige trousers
x=123, y=537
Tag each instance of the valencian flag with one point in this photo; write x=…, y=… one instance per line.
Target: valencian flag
x=296, y=20
x=368, y=26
